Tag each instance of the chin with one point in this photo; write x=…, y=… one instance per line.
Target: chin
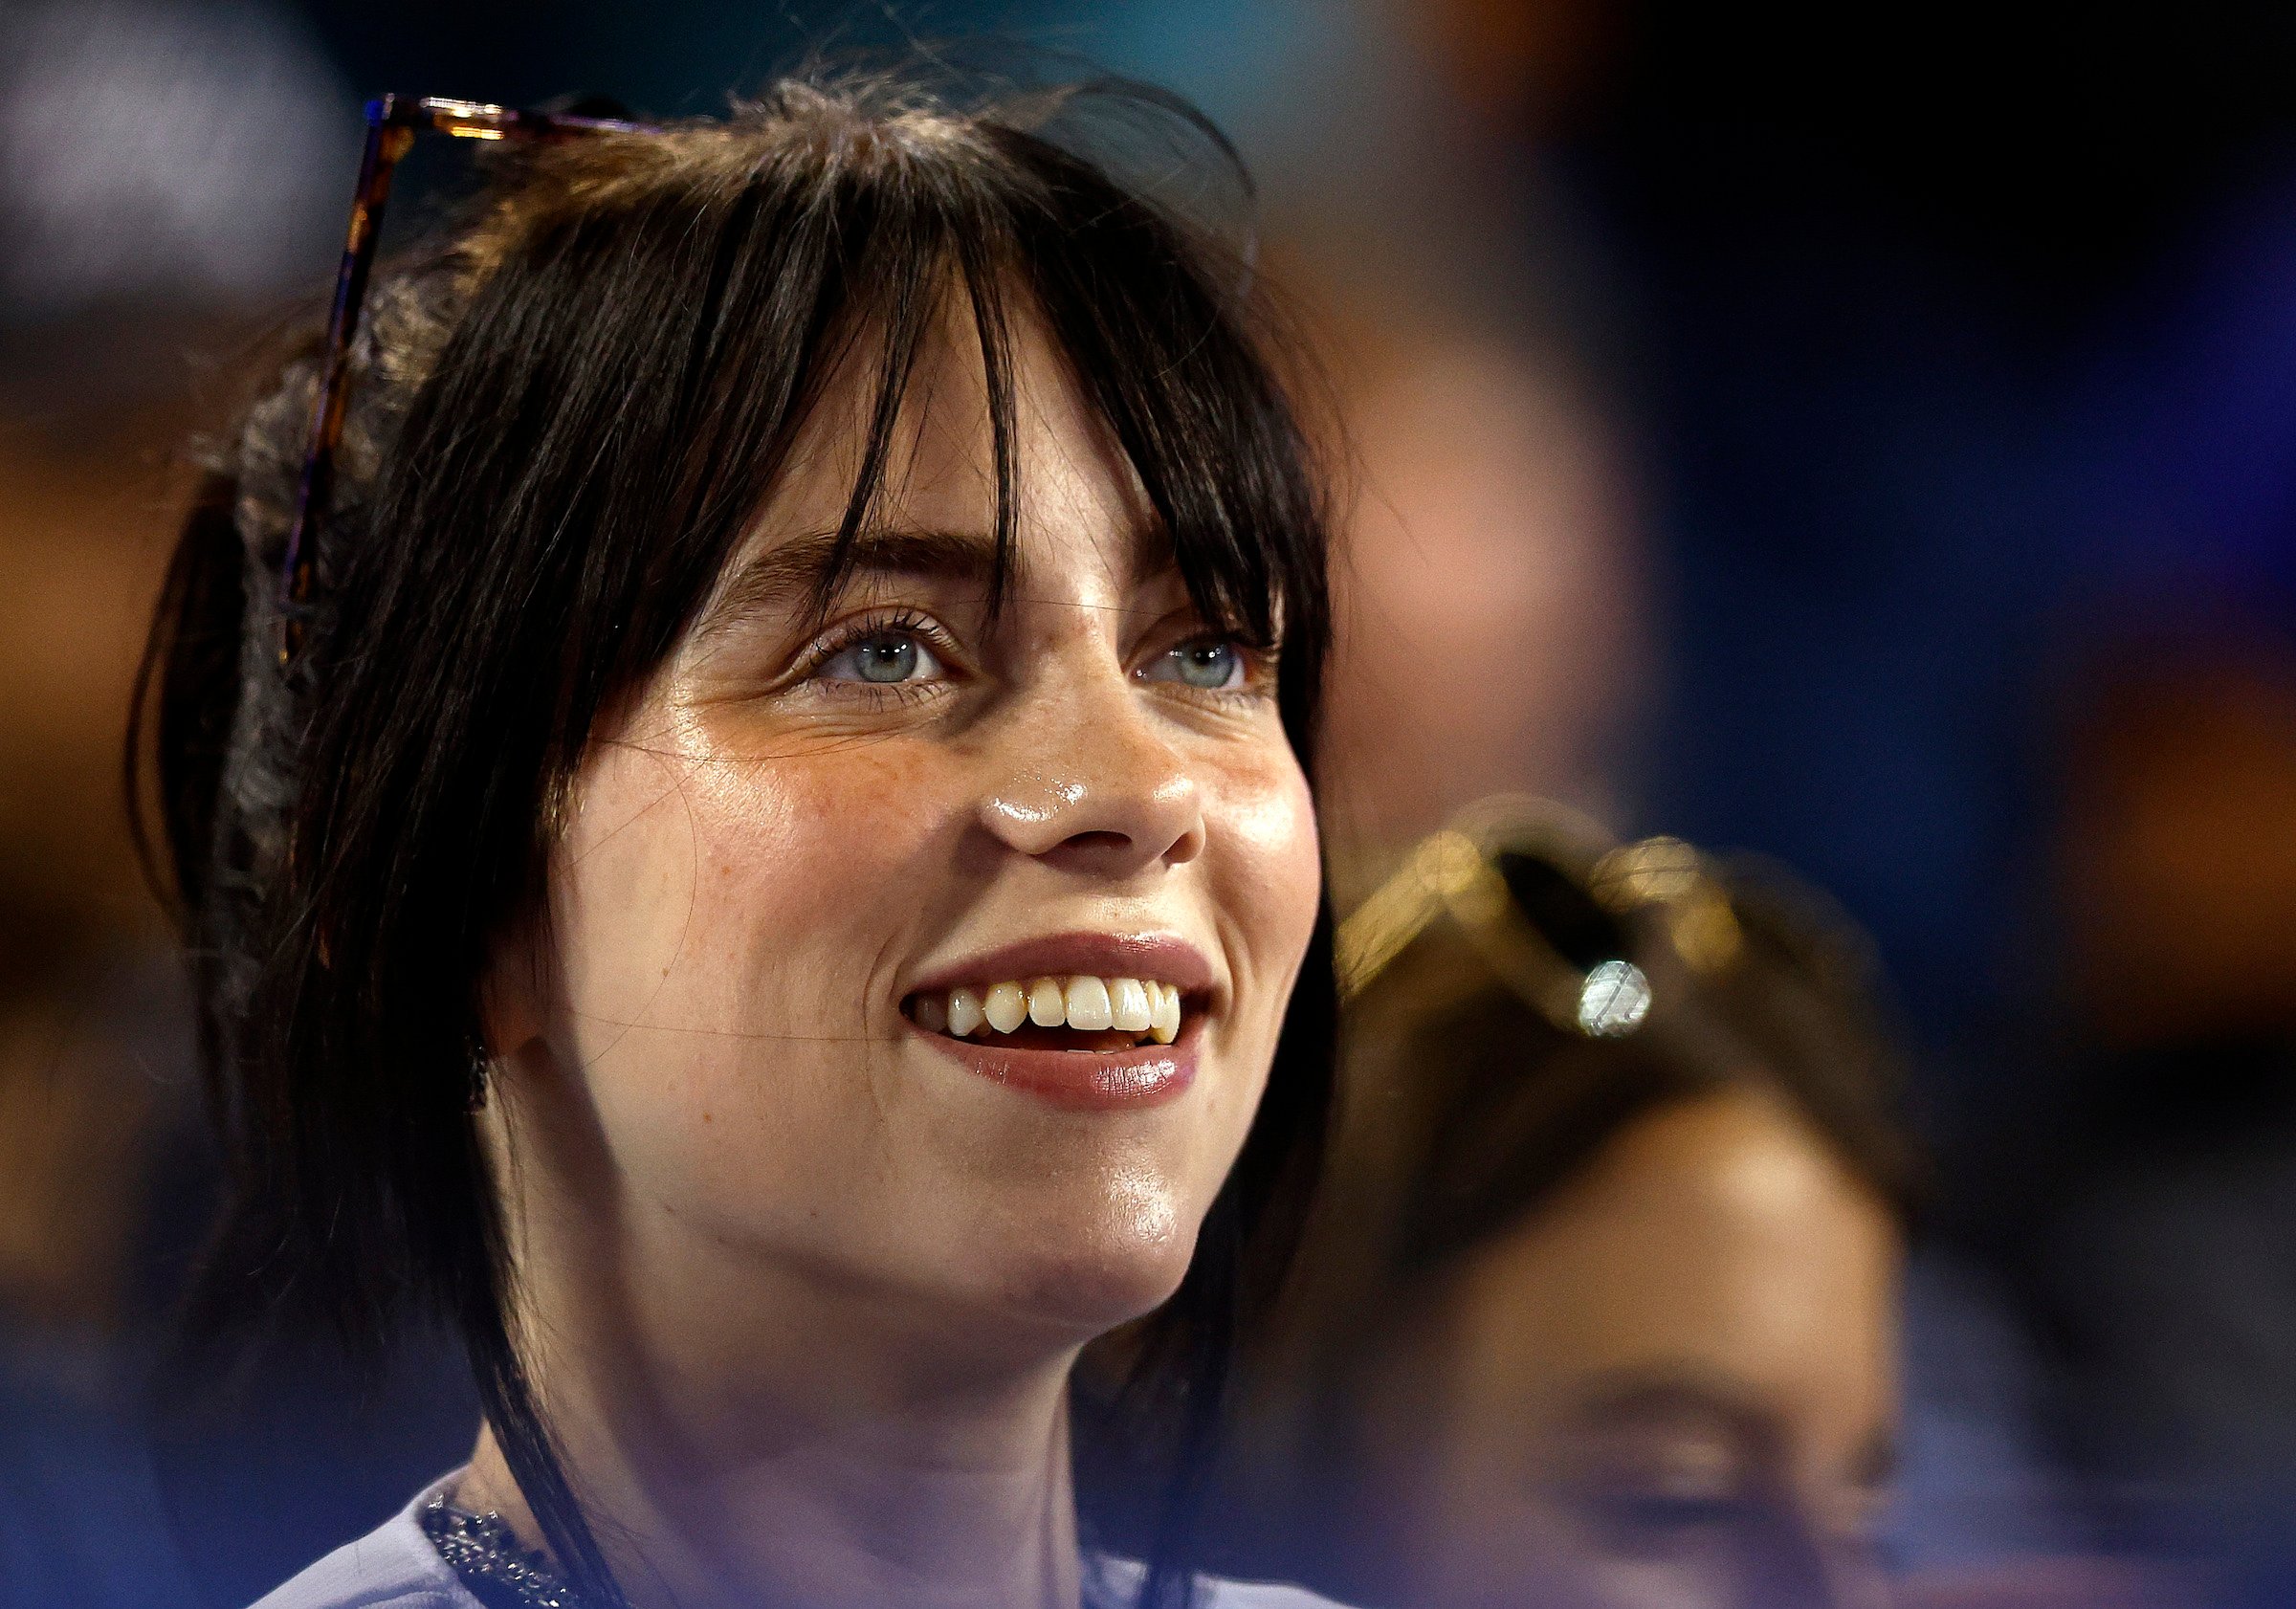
x=1105, y=1268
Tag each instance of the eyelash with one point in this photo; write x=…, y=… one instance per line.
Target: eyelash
x=897, y=624
x=1259, y=669
x=1259, y=676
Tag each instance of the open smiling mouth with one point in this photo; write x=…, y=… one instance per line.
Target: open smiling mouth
x=1078, y=1012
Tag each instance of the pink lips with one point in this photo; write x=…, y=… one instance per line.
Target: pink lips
x=1082, y=1080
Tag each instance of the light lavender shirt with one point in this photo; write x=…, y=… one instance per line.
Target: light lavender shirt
x=395, y=1567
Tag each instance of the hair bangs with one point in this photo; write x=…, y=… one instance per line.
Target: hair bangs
x=1167, y=346
x=995, y=230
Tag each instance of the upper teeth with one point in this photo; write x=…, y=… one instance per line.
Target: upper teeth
x=1126, y=1005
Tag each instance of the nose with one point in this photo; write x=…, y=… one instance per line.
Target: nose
x=1096, y=786
x=1794, y=1564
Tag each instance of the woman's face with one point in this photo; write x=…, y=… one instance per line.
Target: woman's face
x=1672, y=1389
x=818, y=850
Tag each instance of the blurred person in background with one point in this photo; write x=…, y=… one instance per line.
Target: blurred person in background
x=1598, y=1310
x=1496, y=609
x=1600, y=1307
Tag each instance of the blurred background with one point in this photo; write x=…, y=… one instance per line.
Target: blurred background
x=1862, y=436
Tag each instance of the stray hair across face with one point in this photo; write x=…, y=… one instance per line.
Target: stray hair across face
x=563, y=416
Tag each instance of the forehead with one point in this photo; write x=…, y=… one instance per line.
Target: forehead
x=1078, y=504
x=1715, y=1242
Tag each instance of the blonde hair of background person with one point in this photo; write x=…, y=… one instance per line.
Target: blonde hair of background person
x=769, y=887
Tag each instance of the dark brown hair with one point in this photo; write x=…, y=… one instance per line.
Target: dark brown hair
x=563, y=415
x=1495, y=1107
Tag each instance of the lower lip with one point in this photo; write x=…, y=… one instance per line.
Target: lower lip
x=1081, y=1080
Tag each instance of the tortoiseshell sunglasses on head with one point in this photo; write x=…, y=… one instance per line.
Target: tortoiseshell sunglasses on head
x=392, y=122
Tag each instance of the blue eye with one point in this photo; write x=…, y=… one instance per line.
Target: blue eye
x=881, y=659
x=1213, y=664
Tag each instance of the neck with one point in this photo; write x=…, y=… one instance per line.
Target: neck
x=826, y=1524
x=821, y=1448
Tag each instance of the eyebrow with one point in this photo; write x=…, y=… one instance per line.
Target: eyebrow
x=805, y=567
x=1652, y=1395
x=1658, y=1396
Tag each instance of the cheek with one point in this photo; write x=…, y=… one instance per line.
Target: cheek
x=813, y=854
x=724, y=898
x=725, y=925
x=1271, y=880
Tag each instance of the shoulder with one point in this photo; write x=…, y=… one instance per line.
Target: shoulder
x=391, y=1567
x=1258, y=1595
x=1117, y=1581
